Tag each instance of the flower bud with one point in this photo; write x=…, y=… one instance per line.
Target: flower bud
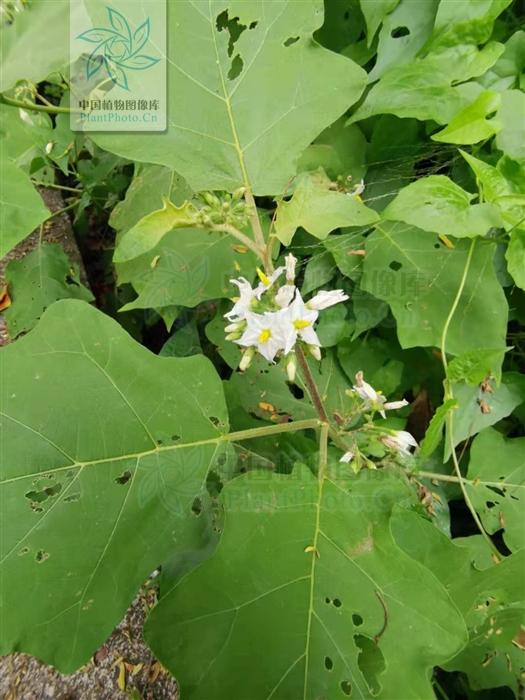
x=291, y=367
x=246, y=359
x=315, y=351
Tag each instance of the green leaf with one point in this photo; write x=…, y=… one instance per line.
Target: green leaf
x=104, y=444
x=491, y=601
x=151, y=184
x=434, y=432
x=471, y=125
x=333, y=326
x=316, y=603
x=437, y=204
x=511, y=137
x=230, y=128
x=150, y=230
x=402, y=35
x=21, y=205
x=426, y=88
x=475, y=366
x=339, y=150
x=375, y=12
x=35, y=282
x=318, y=272
x=187, y=267
x=27, y=51
x=319, y=209
x=466, y=22
x=419, y=278
x=348, y=250
x=479, y=408
x=368, y=311
x=515, y=255
x=501, y=502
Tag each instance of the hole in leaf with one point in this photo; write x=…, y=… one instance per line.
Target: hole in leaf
x=295, y=391
x=346, y=15
x=371, y=661
x=395, y=265
x=41, y=556
x=328, y=663
x=490, y=504
x=357, y=619
x=437, y=246
x=327, y=600
x=71, y=499
x=175, y=438
x=23, y=551
x=346, y=687
x=290, y=41
x=337, y=602
x=124, y=477
x=236, y=68
x=43, y=494
x=252, y=25
x=216, y=422
x=399, y=32
x=196, y=506
x=159, y=442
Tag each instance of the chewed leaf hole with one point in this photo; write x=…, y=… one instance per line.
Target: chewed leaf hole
x=399, y=32
x=216, y=422
x=290, y=41
x=71, y=499
x=328, y=663
x=196, y=506
x=43, y=494
x=41, y=556
x=371, y=661
x=175, y=437
x=357, y=619
x=23, y=551
x=124, y=477
x=336, y=602
x=395, y=265
x=346, y=687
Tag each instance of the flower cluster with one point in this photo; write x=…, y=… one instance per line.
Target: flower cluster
x=271, y=319
x=373, y=401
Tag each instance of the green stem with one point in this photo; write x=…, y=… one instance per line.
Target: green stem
x=39, y=183
x=271, y=430
x=22, y=104
x=61, y=211
x=240, y=236
x=449, y=394
x=436, y=476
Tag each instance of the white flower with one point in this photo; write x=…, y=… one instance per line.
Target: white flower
x=322, y=300
x=298, y=322
x=400, y=440
x=267, y=281
x=347, y=457
x=290, y=262
x=291, y=367
x=374, y=399
x=285, y=295
x=265, y=332
x=358, y=189
x=243, y=304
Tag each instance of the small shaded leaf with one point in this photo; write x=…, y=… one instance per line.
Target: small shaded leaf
x=471, y=124
x=149, y=231
x=473, y=367
x=319, y=209
x=434, y=431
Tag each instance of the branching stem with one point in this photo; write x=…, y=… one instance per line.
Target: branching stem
x=449, y=394
x=23, y=104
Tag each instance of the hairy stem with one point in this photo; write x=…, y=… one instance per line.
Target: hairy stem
x=240, y=236
x=22, y=104
x=311, y=386
x=449, y=394
x=258, y=232
x=449, y=478
x=271, y=430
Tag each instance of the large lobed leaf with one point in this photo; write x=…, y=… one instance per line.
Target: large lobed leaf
x=307, y=596
x=419, y=277
x=228, y=128
x=104, y=449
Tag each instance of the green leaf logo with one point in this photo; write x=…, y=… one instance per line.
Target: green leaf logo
x=117, y=48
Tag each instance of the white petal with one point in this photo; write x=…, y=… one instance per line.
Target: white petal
x=285, y=295
x=394, y=405
x=324, y=299
x=347, y=457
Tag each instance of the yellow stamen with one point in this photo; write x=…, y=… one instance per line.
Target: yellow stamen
x=264, y=278
x=265, y=335
x=299, y=324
